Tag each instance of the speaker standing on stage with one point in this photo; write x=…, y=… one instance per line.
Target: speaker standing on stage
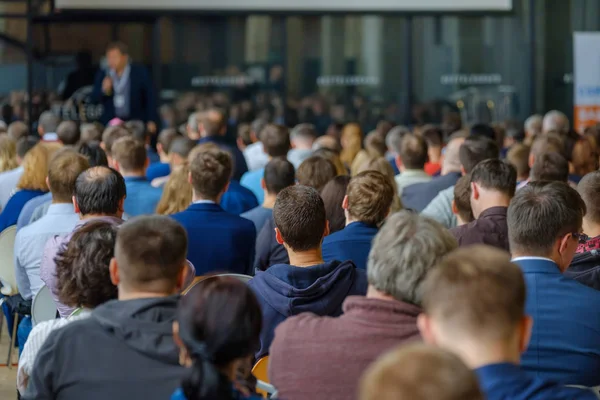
x=125, y=89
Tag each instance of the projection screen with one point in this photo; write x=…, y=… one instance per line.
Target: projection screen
x=290, y=5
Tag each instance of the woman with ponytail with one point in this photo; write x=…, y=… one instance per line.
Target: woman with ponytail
x=217, y=331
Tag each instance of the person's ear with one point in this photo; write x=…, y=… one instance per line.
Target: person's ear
x=159, y=148
x=182, y=277
x=113, y=269
x=116, y=165
x=327, y=230
x=253, y=137
x=475, y=191
x=176, y=337
x=531, y=160
x=398, y=162
x=424, y=325
x=345, y=202
x=463, y=171
x=278, y=236
x=564, y=244
x=190, y=178
x=40, y=130
x=122, y=205
x=454, y=208
x=263, y=185
x=103, y=146
x=48, y=183
x=526, y=327
x=75, y=205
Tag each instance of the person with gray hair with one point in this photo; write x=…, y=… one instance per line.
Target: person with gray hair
x=302, y=138
x=533, y=127
x=308, y=348
x=555, y=121
x=68, y=133
x=193, y=125
x=47, y=126
x=393, y=141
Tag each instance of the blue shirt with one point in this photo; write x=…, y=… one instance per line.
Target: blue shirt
x=10, y=214
x=507, y=381
x=178, y=395
x=565, y=340
x=31, y=240
x=259, y=216
x=351, y=243
x=238, y=199
x=251, y=180
x=30, y=207
x=157, y=170
x=142, y=198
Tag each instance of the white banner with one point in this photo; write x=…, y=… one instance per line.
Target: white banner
x=586, y=49
x=290, y=5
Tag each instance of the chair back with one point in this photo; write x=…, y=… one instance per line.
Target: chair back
x=261, y=373
x=43, y=307
x=198, y=279
x=7, y=261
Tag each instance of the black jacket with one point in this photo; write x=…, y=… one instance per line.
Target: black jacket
x=585, y=268
x=124, y=350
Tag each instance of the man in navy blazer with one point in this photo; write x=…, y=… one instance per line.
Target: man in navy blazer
x=217, y=241
x=544, y=228
x=367, y=203
x=125, y=89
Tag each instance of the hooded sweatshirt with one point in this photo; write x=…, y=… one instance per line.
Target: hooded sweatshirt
x=124, y=350
x=285, y=290
x=585, y=268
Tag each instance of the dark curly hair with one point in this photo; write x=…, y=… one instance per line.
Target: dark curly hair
x=82, y=266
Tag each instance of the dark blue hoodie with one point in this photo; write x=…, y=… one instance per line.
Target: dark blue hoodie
x=285, y=290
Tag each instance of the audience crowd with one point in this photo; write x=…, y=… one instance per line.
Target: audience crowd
x=423, y=262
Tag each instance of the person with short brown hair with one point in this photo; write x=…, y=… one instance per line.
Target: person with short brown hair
x=411, y=159
x=307, y=283
x=131, y=160
x=550, y=167
x=419, y=372
x=218, y=240
x=149, y=270
x=518, y=157
x=68, y=133
x=109, y=137
x=315, y=172
x=367, y=203
x=474, y=306
x=461, y=204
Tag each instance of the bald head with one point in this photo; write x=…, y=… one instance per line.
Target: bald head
x=100, y=191
x=451, y=160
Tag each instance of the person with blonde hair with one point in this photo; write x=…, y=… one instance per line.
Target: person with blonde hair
x=380, y=164
x=177, y=193
x=351, y=141
x=31, y=184
x=8, y=154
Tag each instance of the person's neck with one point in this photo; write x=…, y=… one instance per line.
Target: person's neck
x=164, y=158
x=477, y=355
x=350, y=219
x=435, y=156
x=523, y=254
x=491, y=200
x=56, y=201
x=306, y=258
x=120, y=70
x=373, y=293
x=133, y=174
x=92, y=216
x=591, y=229
x=404, y=169
x=269, y=201
x=136, y=295
x=197, y=197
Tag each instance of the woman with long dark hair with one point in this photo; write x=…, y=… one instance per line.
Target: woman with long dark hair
x=218, y=331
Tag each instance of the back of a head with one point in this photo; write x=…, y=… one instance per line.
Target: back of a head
x=279, y=174
x=94, y=153
x=182, y=146
x=451, y=159
x=210, y=169
x=333, y=195
x=8, y=153
x=476, y=149
x=304, y=133
x=315, y=172
x=17, y=130
x=518, y=157
x=406, y=248
x=82, y=266
x=137, y=129
x=99, y=190
x=434, y=137
x=419, y=372
x=177, y=192
x=129, y=154
x=35, y=166
x=68, y=133
x=547, y=143
x=213, y=122
x=151, y=254
x=223, y=338
x=393, y=140
x=413, y=152
x=370, y=195
x=483, y=130
x=375, y=144
x=25, y=144
x=539, y=214
x=48, y=122
x=555, y=121
x=63, y=171
x=300, y=216
x=533, y=125
x=276, y=140
x=495, y=175
x=111, y=135
x=589, y=190
x=327, y=142
x=476, y=295
x=166, y=137
x=462, y=199
x=550, y=167
x=90, y=133
x=257, y=126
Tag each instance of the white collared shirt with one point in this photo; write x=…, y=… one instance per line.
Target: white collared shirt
x=204, y=202
x=532, y=258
